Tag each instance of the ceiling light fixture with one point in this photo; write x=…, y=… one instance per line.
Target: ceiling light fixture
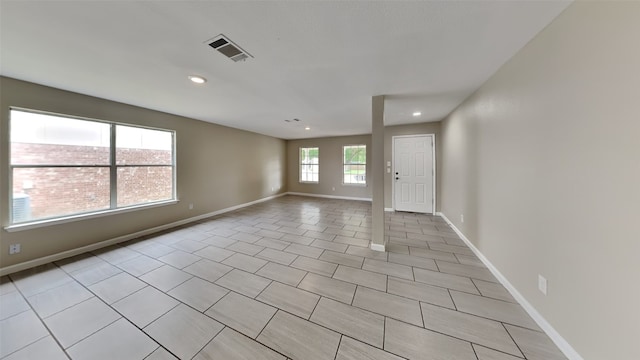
x=417, y=113
x=197, y=79
x=307, y=128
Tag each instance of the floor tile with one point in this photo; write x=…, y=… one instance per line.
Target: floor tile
x=247, y=249
x=535, y=345
x=315, y=266
x=303, y=250
x=296, y=239
x=421, y=344
x=179, y=259
x=19, y=331
x=188, y=245
x=320, y=235
x=328, y=287
x=273, y=243
x=6, y=285
x=140, y=265
x=329, y=245
x=156, y=250
x=390, y=305
x=131, y=343
x=397, y=249
x=12, y=304
x=78, y=322
x=116, y=287
x=241, y=313
x=245, y=262
x=361, y=277
x=351, y=349
x=299, y=339
x=470, y=271
x=469, y=260
x=431, y=254
x=281, y=273
x=493, y=290
x=57, y=299
x=116, y=254
x=197, y=293
x=219, y=242
x=445, y=280
x=493, y=309
x=243, y=282
x=45, y=348
x=208, y=270
x=291, y=299
x=342, y=259
x=39, y=279
x=245, y=237
x=484, y=353
x=183, y=331
x=271, y=234
x=419, y=291
x=214, y=253
x=463, y=250
x=94, y=274
x=144, y=306
x=277, y=256
x=364, y=243
x=161, y=354
x=383, y=267
x=231, y=345
x=468, y=327
x=411, y=260
x=78, y=262
x=351, y=321
x=367, y=253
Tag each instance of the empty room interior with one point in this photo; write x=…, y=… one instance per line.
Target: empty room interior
x=319, y=180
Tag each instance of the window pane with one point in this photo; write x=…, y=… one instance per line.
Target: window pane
x=39, y=139
x=144, y=184
x=138, y=146
x=355, y=159
x=40, y=193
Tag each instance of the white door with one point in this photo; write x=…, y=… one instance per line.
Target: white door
x=413, y=173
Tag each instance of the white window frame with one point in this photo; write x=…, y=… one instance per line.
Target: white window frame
x=301, y=164
x=113, y=208
x=344, y=165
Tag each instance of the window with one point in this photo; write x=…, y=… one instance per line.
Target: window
x=62, y=166
x=309, y=165
x=354, y=164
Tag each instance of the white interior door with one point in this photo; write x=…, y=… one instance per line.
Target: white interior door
x=413, y=173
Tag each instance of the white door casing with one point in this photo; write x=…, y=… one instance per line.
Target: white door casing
x=414, y=173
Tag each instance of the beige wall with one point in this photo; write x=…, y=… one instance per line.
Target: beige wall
x=413, y=129
x=330, y=166
x=544, y=162
x=218, y=167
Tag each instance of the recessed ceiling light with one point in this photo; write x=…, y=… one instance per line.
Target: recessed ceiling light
x=307, y=128
x=197, y=79
x=417, y=113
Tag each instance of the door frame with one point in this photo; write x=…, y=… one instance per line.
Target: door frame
x=433, y=169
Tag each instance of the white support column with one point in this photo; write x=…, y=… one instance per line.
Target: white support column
x=377, y=176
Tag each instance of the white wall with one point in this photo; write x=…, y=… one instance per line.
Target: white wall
x=544, y=163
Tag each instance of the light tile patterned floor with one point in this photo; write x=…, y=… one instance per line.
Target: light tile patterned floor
x=288, y=278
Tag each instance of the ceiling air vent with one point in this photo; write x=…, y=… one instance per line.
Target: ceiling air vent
x=227, y=48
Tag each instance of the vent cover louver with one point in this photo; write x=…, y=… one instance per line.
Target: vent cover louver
x=227, y=48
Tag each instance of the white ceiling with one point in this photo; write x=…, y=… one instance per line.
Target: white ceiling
x=317, y=61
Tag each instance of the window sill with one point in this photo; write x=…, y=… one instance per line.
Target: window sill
x=67, y=219
x=356, y=185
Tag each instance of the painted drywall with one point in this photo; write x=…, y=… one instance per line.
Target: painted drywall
x=218, y=167
x=330, y=159
x=411, y=129
x=544, y=163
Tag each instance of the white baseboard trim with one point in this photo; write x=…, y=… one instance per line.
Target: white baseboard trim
x=91, y=247
x=329, y=196
x=560, y=342
x=389, y=209
x=377, y=247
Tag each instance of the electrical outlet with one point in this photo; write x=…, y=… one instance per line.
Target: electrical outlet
x=190, y=206
x=14, y=249
x=542, y=284
x=333, y=188
x=461, y=218
x=272, y=189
